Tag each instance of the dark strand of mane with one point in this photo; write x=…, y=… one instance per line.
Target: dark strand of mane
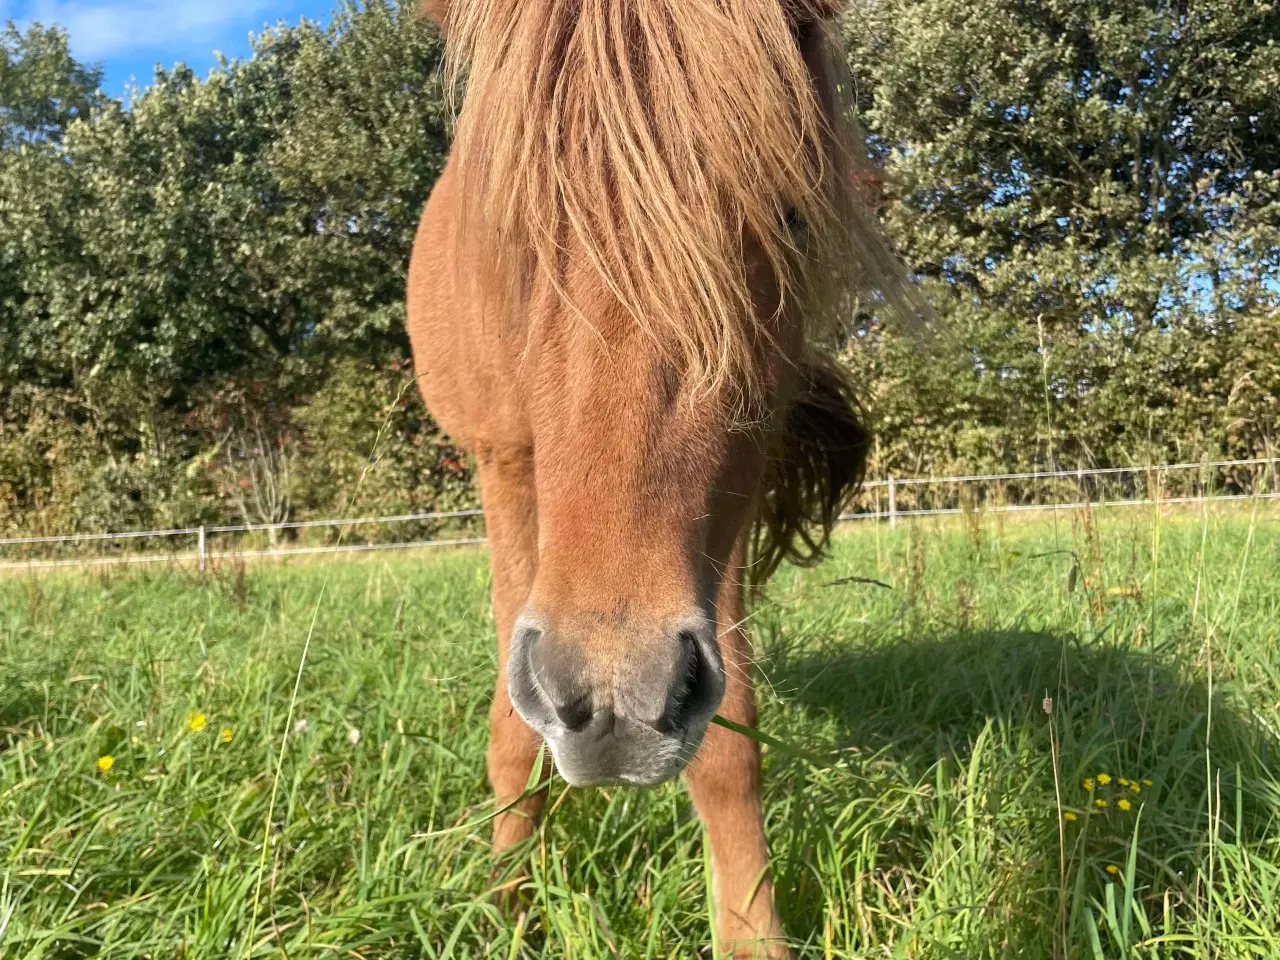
x=817, y=464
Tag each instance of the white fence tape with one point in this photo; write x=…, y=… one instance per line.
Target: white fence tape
x=1077, y=505
x=1072, y=474
x=233, y=554
x=893, y=484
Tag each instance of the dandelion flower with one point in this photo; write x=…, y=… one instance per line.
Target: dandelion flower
x=1146, y=783
x=1113, y=869
x=1104, y=778
x=1124, y=782
x=196, y=722
x=106, y=762
x=1135, y=788
x=1100, y=802
x=1088, y=783
x=1124, y=804
x=1068, y=816
x=226, y=734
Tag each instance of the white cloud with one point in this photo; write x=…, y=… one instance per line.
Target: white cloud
x=105, y=28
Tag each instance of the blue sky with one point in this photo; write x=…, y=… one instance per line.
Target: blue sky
x=128, y=37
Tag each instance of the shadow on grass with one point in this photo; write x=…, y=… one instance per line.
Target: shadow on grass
x=908, y=715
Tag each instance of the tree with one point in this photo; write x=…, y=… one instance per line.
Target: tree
x=235, y=236
x=261, y=218
x=42, y=87
x=1091, y=191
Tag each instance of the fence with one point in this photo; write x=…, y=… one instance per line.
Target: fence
x=1225, y=480
x=202, y=554
x=888, y=500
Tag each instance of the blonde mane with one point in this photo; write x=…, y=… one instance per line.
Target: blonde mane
x=654, y=138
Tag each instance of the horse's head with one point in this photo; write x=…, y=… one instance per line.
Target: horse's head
x=656, y=190
x=647, y=491
x=643, y=492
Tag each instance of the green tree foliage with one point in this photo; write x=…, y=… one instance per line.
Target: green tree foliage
x=201, y=292
x=1091, y=191
x=243, y=236
x=42, y=87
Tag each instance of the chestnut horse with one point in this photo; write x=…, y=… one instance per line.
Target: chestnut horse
x=618, y=301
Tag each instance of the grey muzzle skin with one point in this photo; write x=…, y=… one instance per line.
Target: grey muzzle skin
x=637, y=719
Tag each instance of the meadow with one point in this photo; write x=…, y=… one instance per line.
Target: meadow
x=1049, y=738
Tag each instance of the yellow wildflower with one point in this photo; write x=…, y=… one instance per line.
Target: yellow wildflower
x=196, y=722
x=106, y=762
x=1088, y=783
x=1068, y=816
x=226, y=734
x=1146, y=783
x=1099, y=802
x=1135, y=788
x=1104, y=778
x=1113, y=869
x=1124, y=804
x=1124, y=782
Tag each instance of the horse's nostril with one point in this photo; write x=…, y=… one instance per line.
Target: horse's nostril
x=687, y=692
x=693, y=667
x=555, y=681
x=576, y=714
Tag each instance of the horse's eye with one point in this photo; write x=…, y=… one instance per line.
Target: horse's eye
x=795, y=223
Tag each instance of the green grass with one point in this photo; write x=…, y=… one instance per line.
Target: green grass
x=932, y=828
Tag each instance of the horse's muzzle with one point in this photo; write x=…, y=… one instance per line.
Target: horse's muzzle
x=614, y=705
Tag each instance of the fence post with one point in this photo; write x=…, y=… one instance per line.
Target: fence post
x=893, y=503
x=203, y=555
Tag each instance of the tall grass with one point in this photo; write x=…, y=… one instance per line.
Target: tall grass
x=946, y=722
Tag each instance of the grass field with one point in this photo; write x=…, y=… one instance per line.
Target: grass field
x=960, y=713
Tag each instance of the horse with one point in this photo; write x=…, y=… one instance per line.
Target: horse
x=623, y=301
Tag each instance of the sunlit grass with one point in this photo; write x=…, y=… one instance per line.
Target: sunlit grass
x=966, y=717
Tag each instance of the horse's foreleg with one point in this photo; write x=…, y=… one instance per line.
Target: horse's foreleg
x=724, y=782
x=506, y=487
